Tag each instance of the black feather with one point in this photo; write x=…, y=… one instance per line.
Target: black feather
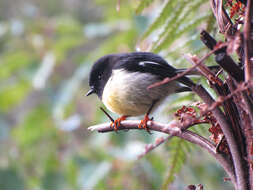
x=152, y=63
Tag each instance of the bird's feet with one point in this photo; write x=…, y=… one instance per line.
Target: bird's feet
x=117, y=122
x=143, y=124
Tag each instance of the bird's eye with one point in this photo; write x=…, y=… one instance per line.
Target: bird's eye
x=99, y=77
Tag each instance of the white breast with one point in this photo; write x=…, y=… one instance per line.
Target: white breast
x=126, y=92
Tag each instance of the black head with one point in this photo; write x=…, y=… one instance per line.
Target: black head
x=100, y=73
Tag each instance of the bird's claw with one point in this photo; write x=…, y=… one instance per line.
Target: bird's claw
x=115, y=125
x=143, y=124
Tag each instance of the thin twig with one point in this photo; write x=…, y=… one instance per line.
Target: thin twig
x=167, y=80
x=204, y=69
x=220, y=100
x=158, y=142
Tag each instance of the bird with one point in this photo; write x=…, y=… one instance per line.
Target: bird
x=122, y=82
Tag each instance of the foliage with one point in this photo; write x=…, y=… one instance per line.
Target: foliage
x=46, y=51
x=176, y=161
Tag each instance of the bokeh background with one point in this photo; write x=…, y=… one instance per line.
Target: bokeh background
x=46, y=51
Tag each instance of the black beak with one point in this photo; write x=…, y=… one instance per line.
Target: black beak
x=91, y=91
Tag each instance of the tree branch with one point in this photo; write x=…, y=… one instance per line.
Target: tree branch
x=248, y=47
x=233, y=146
x=158, y=142
x=173, y=129
x=224, y=60
x=224, y=22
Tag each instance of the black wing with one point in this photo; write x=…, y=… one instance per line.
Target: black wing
x=147, y=62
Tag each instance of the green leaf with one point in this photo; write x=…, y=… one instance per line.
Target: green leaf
x=37, y=126
x=161, y=19
x=143, y=4
x=173, y=22
x=182, y=16
x=170, y=38
x=211, y=23
x=68, y=26
x=11, y=95
x=177, y=159
x=54, y=181
x=11, y=180
x=65, y=44
x=13, y=62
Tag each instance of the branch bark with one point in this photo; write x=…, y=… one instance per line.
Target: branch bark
x=172, y=129
x=233, y=146
x=221, y=57
x=248, y=46
x=224, y=23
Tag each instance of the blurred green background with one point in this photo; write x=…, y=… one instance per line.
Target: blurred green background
x=46, y=50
